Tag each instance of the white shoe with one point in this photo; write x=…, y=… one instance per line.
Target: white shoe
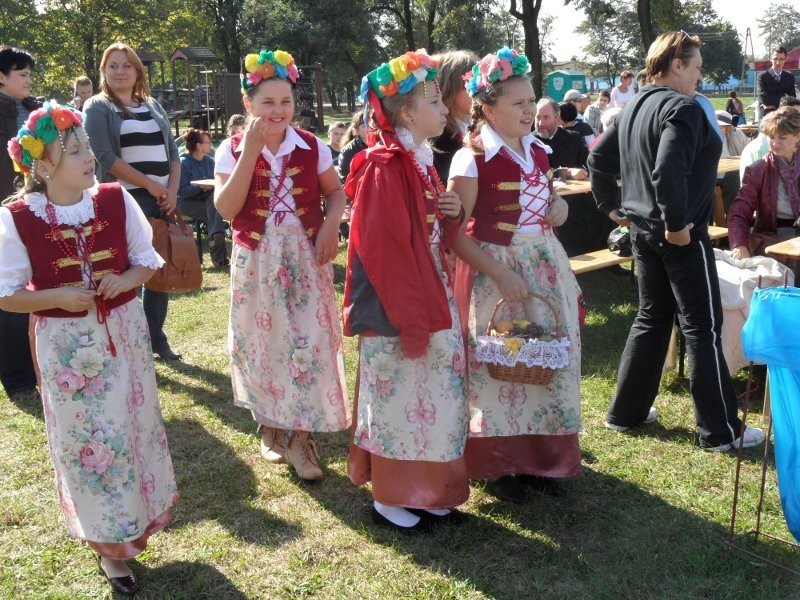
x=651, y=416
x=753, y=436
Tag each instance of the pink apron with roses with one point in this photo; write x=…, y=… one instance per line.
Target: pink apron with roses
x=106, y=436
x=499, y=408
x=284, y=335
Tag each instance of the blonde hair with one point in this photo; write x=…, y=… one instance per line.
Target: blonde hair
x=141, y=91
x=452, y=66
x=782, y=121
x=667, y=47
x=487, y=96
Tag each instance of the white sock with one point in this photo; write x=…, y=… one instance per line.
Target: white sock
x=396, y=514
x=439, y=512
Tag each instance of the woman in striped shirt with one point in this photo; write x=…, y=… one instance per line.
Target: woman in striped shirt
x=130, y=136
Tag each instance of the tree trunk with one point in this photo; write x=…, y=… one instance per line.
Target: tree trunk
x=529, y=15
x=331, y=90
x=408, y=24
x=645, y=23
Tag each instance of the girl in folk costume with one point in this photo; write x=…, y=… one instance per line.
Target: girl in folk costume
x=504, y=181
x=73, y=252
x=287, y=359
x=411, y=411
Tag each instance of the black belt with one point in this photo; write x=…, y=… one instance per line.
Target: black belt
x=785, y=223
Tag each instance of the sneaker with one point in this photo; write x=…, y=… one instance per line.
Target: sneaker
x=651, y=417
x=753, y=436
x=273, y=445
x=302, y=455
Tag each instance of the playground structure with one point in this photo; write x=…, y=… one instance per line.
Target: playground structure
x=199, y=90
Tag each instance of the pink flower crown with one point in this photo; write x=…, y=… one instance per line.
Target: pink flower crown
x=268, y=64
x=495, y=67
x=43, y=126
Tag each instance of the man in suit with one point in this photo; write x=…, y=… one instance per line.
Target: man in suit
x=774, y=83
x=569, y=150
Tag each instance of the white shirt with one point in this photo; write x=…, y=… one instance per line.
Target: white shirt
x=15, y=263
x=224, y=162
x=619, y=98
x=533, y=199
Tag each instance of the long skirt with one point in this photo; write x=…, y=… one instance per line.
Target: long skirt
x=411, y=424
x=284, y=336
x=104, y=428
x=517, y=428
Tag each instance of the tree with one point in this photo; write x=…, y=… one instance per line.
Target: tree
x=611, y=28
x=527, y=12
x=780, y=26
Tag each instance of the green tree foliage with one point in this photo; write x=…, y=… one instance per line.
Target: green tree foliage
x=611, y=26
x=780, y=26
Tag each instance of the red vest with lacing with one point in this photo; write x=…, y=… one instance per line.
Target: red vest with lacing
x=497, y=209
x=51, y=269
x=248, y=225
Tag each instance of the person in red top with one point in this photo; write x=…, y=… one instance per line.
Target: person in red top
x=285, y=341
x=519, y=434
x=73, y=253
x=411, y=412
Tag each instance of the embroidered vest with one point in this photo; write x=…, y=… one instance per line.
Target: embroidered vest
x=51, y=269
x=248, y=225
x=497, y=209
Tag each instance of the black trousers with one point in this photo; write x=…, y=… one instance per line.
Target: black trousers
x=16, y=363
x=683, y=279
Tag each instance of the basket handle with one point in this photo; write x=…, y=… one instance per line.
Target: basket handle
x=532, y=295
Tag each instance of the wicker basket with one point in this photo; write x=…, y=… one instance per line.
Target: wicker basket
x=521, y=373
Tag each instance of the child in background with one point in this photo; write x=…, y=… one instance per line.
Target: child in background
x=73, y=253
x=287, y=358
x=411, y=410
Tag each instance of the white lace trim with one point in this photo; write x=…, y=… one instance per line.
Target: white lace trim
x=73, y=215
x=498, y=351
x=9, y=288
x=148, y=260
x=423, y=153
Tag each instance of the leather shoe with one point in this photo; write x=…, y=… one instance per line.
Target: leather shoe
x=166, y=353
x=126, y=585
x=506, y=488
x=422, y=526
x=454, y=517
x=547, y=485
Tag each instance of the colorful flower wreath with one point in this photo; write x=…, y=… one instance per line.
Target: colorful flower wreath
x=496, y=67
x=267, y=64
x=43, y=126
x=399, y=75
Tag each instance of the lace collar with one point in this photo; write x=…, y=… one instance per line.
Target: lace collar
x=73, y=215
x=422, y=152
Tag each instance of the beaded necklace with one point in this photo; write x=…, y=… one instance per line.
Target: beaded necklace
x=432, y=183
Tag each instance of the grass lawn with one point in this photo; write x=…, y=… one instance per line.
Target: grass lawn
x=647, y=519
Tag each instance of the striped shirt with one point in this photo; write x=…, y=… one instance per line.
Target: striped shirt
x=142, y=146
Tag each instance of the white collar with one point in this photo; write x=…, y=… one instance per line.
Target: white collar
x=290, y=141
x=493, y=143
x=73, y=215
x=422, y=152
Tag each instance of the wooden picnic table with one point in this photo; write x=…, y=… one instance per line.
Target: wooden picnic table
x=788, y=249
x=203, y=182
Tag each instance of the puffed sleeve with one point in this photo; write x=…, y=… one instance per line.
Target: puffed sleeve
x=15, y=264
x=325, y=160
x=463, y=164
x=224, y=160
x=139, y=235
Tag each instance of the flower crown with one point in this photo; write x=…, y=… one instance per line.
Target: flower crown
x=495, y=67
x=43, y=126
x=267, y=64
x=399, y=75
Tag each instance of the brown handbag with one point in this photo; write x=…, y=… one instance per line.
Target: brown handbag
x=173, y=241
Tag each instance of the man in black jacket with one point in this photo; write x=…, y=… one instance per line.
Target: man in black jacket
x=666, y=149
x=775, y=83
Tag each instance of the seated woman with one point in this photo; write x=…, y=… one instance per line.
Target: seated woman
x=197, y=201
x=769, y=199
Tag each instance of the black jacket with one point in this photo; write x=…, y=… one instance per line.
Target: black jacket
x=569, y=149
x=350, y=149
x=8, y=130
x=444, y=148
x=666, y=153
x=770, y=91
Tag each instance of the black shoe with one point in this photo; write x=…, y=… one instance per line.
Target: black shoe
x=166, y=353
x=506, y=488
x=422, y=526
x=124, y=585
x=454, y=517
x=547, y=485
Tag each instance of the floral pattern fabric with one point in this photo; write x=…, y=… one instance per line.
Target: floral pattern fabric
x=284, y=335
x=106, y=436
x=501, y=408
x=414, y=408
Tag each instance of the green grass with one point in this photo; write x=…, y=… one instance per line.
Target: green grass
x=648, y=518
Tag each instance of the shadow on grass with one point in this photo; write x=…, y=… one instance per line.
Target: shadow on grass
x=28, y=402
x=184, y=580
x=602, y=540
x=216, y=485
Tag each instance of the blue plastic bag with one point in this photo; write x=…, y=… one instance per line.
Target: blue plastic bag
x=772, y=335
